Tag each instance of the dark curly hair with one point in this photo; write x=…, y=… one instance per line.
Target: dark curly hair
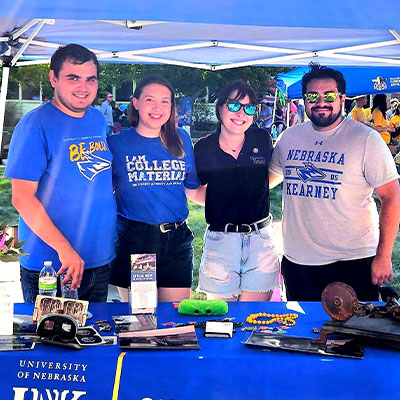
x=74, y=53
x=318, y=71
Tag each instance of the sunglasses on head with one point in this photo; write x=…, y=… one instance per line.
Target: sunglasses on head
x=329, y=97
x=235, y=106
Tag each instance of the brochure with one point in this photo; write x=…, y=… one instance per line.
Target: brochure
x=182, y=338
x=12, y=343
x=143, y=284
x=132, y=323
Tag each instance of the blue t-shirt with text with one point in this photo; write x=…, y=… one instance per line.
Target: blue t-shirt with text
x=70, y=160
x=149, y=183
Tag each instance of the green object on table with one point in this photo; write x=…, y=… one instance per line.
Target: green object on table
x=203, y=307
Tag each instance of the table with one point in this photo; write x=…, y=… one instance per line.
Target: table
x=222, y=369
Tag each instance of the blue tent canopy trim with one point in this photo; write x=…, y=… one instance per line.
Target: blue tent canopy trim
x=359, y=80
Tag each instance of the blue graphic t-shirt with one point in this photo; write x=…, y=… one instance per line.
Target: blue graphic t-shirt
x=70, y=160
x=149, y=183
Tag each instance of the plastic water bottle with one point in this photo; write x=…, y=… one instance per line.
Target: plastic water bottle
x=66, y=290
x=48, y=280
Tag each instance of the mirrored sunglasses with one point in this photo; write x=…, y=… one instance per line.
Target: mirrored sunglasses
x=329, y=97
x=235, y=106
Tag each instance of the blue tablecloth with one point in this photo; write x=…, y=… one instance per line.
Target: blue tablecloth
x=222, y=369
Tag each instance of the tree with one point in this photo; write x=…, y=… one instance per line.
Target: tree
x=32, y=76
x=186, y=81
x=114, y=75
x=193, y=82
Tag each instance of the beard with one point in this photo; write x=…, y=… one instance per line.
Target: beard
x=324, y=120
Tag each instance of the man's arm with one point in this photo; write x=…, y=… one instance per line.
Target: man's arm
x=34, y=214
x=197, y=195
x=274, y=180
x=389, y=219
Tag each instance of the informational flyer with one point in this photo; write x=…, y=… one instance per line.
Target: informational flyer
x=143, y=296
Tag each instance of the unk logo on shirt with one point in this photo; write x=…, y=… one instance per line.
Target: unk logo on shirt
x=89, y=164
x=92, y=166
x=309, y=172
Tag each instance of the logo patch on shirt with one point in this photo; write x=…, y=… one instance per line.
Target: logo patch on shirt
x=258, y=160
x=309, y=172
x=92, y=165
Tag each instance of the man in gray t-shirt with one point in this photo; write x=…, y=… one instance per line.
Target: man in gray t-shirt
x=106, y=110
x=330, y=167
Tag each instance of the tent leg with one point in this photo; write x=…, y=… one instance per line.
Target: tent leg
x=3, y=98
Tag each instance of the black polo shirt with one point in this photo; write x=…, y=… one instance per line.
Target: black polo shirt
x=237, y=190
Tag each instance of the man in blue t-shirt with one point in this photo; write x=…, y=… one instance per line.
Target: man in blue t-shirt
x=60, y=169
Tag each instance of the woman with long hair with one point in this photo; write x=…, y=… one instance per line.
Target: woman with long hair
x=239, y=260
x=379, y=121
x=153, y=170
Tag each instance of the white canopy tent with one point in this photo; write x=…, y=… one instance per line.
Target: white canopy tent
x=211, y=35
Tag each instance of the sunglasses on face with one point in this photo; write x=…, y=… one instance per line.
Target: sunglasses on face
x=329, y=97
x=235, y=106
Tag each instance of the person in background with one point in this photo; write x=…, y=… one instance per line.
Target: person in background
x=378, y=115
x=293, y=117
x=60, y=169
x=153, y=172
x=393, y=104
x=395, y=122
x=279, y=119
x=330, y=167
x=107, y=111
x=116, y=128
x=239, y=260
x=184, y=112
x=265, y=117
x=358, y=112
x=300, y=111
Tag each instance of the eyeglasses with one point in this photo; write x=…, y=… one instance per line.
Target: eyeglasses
x=329, y=97
x=235, y=106
x=110, y=97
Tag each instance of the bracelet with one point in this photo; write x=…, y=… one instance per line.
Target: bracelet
x=284, y=319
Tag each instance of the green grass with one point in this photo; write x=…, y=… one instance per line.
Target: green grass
x=197, y=224
x=7, y=212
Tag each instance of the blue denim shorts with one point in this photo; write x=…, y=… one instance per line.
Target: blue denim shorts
x=173, y=249
x=233, y=263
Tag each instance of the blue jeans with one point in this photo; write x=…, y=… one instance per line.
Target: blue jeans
x=94, y=285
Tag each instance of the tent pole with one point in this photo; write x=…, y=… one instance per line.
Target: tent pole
x=276, y=99
x=3, y=98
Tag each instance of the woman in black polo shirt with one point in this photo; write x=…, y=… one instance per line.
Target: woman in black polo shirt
x=239, y=260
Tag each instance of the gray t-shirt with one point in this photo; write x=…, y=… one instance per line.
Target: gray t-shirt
x=328, y=210
x=106, y=110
